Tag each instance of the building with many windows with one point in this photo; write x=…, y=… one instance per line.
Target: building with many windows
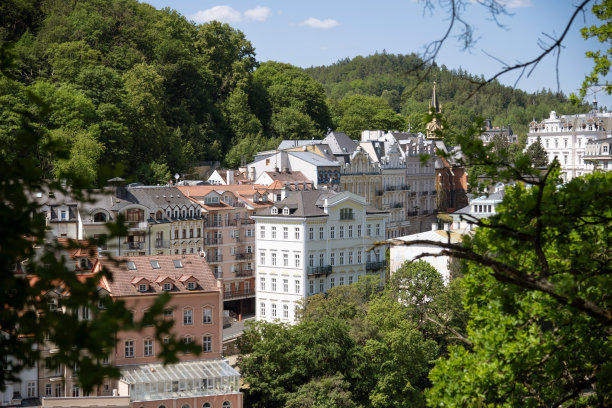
x=196, y=307
x=310, y=242
x=566, y=138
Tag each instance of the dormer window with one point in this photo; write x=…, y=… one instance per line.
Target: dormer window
x=274, y=210
x=99, y=217
x=286, y=211
x=159, y=215
x=143, y=287
x=167, y=286
x=131, y=266
x=52, y=303
x=191, y=285
x=83, y=263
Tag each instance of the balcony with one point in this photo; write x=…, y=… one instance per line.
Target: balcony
x=214, y=258
x=424, y=193
x=412, y=194
x=412, y=213
x=244, y=256
x=213, y=223
x=238, y=293
x=160, y=243
x=244, y=273
x=391, y=188
x=405, y=187
x=232, y=222
x=137, y=225
x=213, y=241
x=319, y=270
x=133, y=246
x=398, y=205
x=376, y=265
x=245, y=221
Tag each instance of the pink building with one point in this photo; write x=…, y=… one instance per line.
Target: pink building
x=229, y=237
x=196, y=307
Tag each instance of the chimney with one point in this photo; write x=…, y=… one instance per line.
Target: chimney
x=252, y=174
x=230, y=177
x=434, y=226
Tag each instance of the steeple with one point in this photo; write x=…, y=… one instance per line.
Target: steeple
x=435, y=104
x=434, y=107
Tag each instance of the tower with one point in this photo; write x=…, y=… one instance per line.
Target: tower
x=434, y=107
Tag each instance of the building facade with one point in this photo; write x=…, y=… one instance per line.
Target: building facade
x=310, y=242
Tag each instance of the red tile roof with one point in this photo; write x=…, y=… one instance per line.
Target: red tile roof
x=123, y=278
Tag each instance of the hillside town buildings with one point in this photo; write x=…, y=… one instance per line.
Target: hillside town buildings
x=566, y=138
x=311, y=242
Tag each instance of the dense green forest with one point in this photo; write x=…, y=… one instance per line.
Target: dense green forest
x=150, y=93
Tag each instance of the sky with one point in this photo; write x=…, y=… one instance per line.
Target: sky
x=315, y=32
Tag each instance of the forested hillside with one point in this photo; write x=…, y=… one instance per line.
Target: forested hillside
x=398, y=80
x=149, y=92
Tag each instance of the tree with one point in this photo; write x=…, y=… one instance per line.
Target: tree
x=357, y=112
x=537, y=154
x=327, y=392
x=27, y=318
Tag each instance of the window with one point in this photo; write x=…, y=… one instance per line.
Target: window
x=311, y=260
x=262, y=258
x=350, y=231
x=198, y=232
x=227, y=404
x=286, y=211
x=285, y=233
x=134, y=215
x=341, y=280
x=142, y=287
x=321, y=285
x=350, y=257
x=262, y=283
x=274, y=211
x=321, y=259
x=350, y=280
x=297, y=232
x=168, y=313
x=207, y=315
x=148, y=348
x=262, y=308
x=191, y=285
x=85, y=313
x=207, y=405
x=31, y=387
x=332, y=232
x=359, y=231
x=311, y=233
x=321, y=233
x=273, y=309
x=341, y=232
x=359, y=256
x=273, y=258
x=368, y=230
x=297, y=260
x=48, y=390
x=187, y=316
x=129, y=348
x=167, y=286
x=262, y=231
x=273, y=284
x=99, y=217
x=311, y=287
x=332, y=258
x=207, y=344
x=298, y=287
x=285, y=259
x=378, y=229
x=75, y=391
x=346, y=214
x=285, y=311
x=332, y=282
x=341, y=259
x=184, y=233
x=285, y=285
x=188, y=340
x=63, y=215
x=273, y=232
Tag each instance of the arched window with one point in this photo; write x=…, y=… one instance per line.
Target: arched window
x=185, y=406
x=159, y=215
x=227, y=404
x=99, y=217
x=207, y=405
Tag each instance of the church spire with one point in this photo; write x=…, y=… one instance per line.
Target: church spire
x=435, y=104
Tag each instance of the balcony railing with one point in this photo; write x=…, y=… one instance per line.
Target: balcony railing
x=214, y=241
x=232, y=222
x=244, y=256
x=412, y=213
x=213, y=223
x=390, y=188
x=412, y=193
x=213, y=258
x=319, y=270
x=398, y=205
x=376, y=265
x=244, y=273
x=137, y=225
x=161, y=243
x=132, y=246
x=238, y=293
x=405, y=187
x=244, y=221
x=424, y=193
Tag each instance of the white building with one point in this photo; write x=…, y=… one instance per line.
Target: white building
x=310, y=242
x=479, y=208
x=24, y=390
x=566, y=137
x=399, y=254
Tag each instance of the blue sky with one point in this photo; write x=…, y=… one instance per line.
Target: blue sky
x=315, y=32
